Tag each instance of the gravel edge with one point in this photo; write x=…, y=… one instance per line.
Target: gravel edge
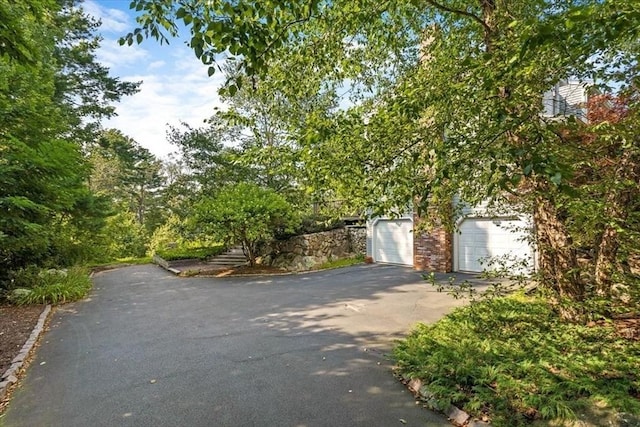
x=10, y=377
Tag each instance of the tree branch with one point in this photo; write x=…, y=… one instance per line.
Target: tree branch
x=460, y=12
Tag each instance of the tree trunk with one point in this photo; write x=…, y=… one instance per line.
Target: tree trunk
x=617, y=206
x=557, y=258
x=606, y=259
x=250, y=252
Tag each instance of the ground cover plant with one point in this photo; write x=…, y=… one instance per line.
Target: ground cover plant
x=342, y=262
x=124, y=261
x=514, y=360
x=34, y=286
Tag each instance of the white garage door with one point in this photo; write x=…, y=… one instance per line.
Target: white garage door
x=393, y=241
x=482, y=238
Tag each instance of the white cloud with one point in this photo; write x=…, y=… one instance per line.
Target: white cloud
x=113, y=20
x=116, y=57
x=175, y=86
x=167, y=99
x=156, y=64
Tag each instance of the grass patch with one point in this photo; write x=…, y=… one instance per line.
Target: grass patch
x=512, y=359
x=201, y=253
x=342, y=262
x=120, y=262
x=50, y=286
x=134, y=260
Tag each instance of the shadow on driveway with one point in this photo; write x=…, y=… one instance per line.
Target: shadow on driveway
x=150, y=349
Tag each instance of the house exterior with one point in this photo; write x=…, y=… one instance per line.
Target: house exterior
x=481, y=233
x=567, y=98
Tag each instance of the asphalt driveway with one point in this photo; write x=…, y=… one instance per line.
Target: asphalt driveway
x=150, y=349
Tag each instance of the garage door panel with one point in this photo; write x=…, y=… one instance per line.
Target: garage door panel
x=393, y=241
x=482, y=238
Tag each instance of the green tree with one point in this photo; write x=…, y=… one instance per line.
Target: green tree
x=83, y=86
x=206, y=161
x=605, y=152
x=130, y=174
x=125, y=236
x=18, y=31
x=48, y=215
x=41, y=175
x=268, y=118
x=245, y=214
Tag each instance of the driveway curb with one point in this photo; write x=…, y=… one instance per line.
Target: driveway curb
x=456, y=415
x=10, y=377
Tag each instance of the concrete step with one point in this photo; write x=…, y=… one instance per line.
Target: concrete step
x=223, y=259
x=232, y=257
x=227, y=255
x=235, y=251
x=226, y=263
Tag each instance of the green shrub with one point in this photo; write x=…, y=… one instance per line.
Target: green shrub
x=515, y=360
x=125, y=237
x=245, y=214
x=312, y=224
x=166, y=234
x=49, y=286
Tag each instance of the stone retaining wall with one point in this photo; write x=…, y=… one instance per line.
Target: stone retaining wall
x=304, y=252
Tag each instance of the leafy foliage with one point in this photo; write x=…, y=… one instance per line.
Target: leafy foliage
x=34, y=286
x=169, y=233
x=515, y=360
x=130, y=175
x=255, y=30
x=205, y=160
x=17, y=39
x=84, y=88
x=125, y=236
x=244, y=214
x=52, y=95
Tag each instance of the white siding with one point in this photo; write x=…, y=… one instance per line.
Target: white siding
x=566, y=99
x=573, y=93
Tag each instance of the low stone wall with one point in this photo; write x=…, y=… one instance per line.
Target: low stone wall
x=358, y=239
x=303, y=252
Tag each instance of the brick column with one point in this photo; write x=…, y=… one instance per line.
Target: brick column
x=432, y=247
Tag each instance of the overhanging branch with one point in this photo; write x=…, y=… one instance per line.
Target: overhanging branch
x=460, y=12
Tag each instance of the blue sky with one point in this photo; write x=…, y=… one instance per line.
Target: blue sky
x=175, y=83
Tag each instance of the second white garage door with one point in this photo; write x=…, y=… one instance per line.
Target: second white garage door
x=480, y=238
x=393, y=241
